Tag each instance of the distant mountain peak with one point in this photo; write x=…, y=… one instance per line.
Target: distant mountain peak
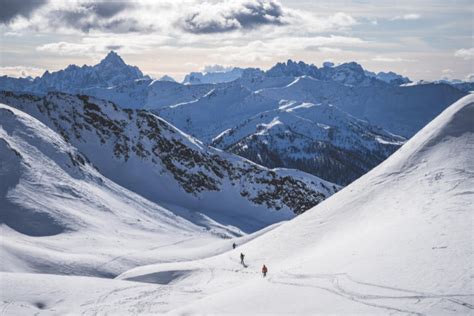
x=113, y=58
x=167, y=78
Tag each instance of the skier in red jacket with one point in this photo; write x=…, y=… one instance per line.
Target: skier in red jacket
x=264, y=270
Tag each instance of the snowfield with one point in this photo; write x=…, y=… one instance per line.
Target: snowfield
x=398, y=240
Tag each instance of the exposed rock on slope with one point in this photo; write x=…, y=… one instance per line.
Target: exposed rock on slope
x=145, y=154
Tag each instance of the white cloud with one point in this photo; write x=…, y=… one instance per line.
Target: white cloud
x=227, y=16
x=21, y=71
x=217, y=68
x=407, y=17
x=99, y=44
x=330, y=50
x=386, y=59
x=465, y=53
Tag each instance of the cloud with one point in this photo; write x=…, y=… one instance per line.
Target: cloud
x=10, y=9
x=113, y=47
x=341, y=19
x=470, y=77
x=262, y=51
x=407, y=17
x=391, y=59
x=185, y=20
x=21, y=71
x=330, y=50
x=67, y=49
x=465, y=53
x=97, y=45
x=217, y=68
x=108, y=9
x=87, y=16
x=232, y=15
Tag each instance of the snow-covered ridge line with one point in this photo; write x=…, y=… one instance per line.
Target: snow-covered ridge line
x=145, y=154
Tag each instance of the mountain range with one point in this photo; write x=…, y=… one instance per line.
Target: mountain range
x=371, y=113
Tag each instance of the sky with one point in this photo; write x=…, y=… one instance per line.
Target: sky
x=420, y=39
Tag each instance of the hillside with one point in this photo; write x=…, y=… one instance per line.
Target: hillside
x=60, y=215
x=318, y=139
x=148, y=156
x=399, y=239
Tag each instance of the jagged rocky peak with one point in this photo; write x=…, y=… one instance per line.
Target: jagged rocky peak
x=293, y=68
x=112, y=58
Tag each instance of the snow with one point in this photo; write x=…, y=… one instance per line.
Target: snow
x=396, y=241
x=61, y=216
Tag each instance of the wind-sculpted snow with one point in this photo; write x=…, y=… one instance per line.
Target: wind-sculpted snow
x=145, y=154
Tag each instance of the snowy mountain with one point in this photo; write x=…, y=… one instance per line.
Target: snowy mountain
x=347, y=73
x=148, y=93
x=111, y=71
x=167, y=78
x=398, y=240
x=205, y=111
x=146, y=155
x=402, y=110
x=59, y=215
x=213, y=76
x=221, y=108
x=466, y=86
x=389, y=77
x=318, y=139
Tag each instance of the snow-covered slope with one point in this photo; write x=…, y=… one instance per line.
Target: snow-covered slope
x=149, y=94
x=319, y=139
x=221, y=108
x=398, y=240
x=145, y=154
x=402, y=110
x=59, y=215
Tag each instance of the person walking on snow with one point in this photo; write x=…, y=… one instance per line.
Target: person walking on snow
x=264, y=270
x=234, y=245
x=242, y=258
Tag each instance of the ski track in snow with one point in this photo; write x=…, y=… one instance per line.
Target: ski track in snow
x=338, y=289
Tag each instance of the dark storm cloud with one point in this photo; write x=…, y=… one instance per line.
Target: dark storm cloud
x=109, y=9
x=9, y=9
x=113, y=47
x=95, y=16
x=236, y=15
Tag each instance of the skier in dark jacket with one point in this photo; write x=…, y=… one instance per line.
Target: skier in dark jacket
x=242, y=258
x=264, y=270
x=234, y=245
